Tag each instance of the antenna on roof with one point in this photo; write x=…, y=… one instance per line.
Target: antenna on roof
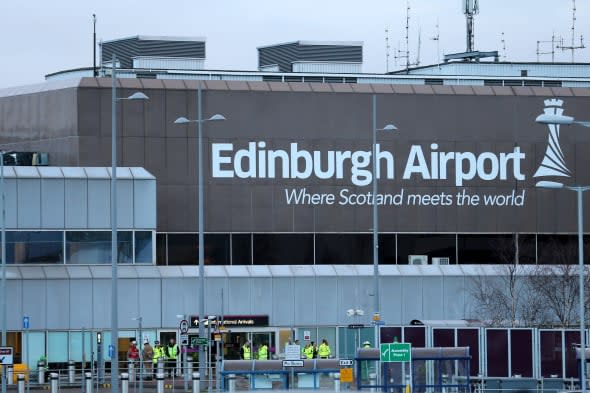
x=503, y=42
x=470, y=9
x=387, y=50
x=406, y=54
x=553, y=42
x=437, y=39
x=573, y=46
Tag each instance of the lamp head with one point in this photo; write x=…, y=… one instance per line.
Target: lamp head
x=547, y=118
x=548, y=184
x=182, y=120
x=389, y=127
x=216, y=117
x=138, y=95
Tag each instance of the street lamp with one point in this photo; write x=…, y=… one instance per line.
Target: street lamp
x=2, y=196
x=201, y=242
x=141, y=346
x=353, y=313
x=376, y=310
x=568, y=120
x=114, y=255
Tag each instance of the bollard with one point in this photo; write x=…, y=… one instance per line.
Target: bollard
x=160, y=382
x=53, y=379
x=71, y=371
x=10, y=374
x=373, y=381
x=189, y=368
x=336, y=382
x=196, y=379
x=41, y=371
x=232, y=382
x=160, y=367
x=124, y=382
x=20, y=383
x=88, y=380
x=131, y=368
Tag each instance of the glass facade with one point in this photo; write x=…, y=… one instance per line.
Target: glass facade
x=78, y=247
x=356, y=248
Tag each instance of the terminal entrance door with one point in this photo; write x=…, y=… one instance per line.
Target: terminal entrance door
x=236, y=339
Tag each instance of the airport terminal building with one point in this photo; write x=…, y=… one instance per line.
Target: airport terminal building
x=288, y=207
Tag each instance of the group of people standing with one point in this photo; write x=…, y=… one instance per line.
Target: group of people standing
x=151, y=355
x=310, y=351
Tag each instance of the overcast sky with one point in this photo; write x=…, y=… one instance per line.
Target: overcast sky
x=40, y=37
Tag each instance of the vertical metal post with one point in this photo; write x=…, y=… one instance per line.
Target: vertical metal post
x=160, y=382
x=196, y=383
x=71, y=371
x=141, y=366
x=94, y=74
x=114, y=256
x=20, y=378
x=580, y=191
x=4, y=315
x=375, y=222
x=201, y=229
x=53, y=378
x=83, y=354
x=125, y=382
x=88, y=380
x=210, y=376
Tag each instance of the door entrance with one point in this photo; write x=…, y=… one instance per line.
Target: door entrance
x=235, y=341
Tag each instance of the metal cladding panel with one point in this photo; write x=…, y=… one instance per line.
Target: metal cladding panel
x=326, y=312
x=101, y=303
x=239, y=293
x=283, y=312
x=11, y=203
x=144, y=202
x=456, y=297
x=99, y=204
x=34, y=300
x=261, y=302
x=128, y=294
x=14, y=317
x=432, y=288
x=344, y=53
x=283, y=55
x=76, y=203
x=150, y=307
x=52, y=203
x=81, y=303
x=58, y=312
x=125, y=208
x=412, y=298
x=305, y=307
x=213, y=287
x=177, y=292
x=29, y=203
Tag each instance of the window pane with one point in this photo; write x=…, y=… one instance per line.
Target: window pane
x=57, y=347
x=571, y=366
x=283, y=249
x=161, y=250
x=241, y=248
x=216, y=249
x=557, y=249
x=76, y=345
x=144, y=247
x=443, y=337
x=347, y=249
x=551, y=353
x=522, y=352
x=85, y=247
x=527, y=250
x=182, y=249
x=425, y=244
x=497, y=354
x=470, y=338
x=36, y=344
x=387, y=249
x=391, y=334
x=34, y=247
x=416, y=335
x=480, y=249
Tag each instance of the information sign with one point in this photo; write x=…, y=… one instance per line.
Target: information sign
x=396, y=352
x=292, y=363
x=307, y=335
x=201, y=341
x=346, y=375
x=6, y=356
x=184, y=339
x=184, y=326
x=345, y=362
x=292, y=352
x=26, y=322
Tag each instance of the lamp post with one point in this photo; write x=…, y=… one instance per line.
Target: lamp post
x=568, y=120
x=2, y=196
x=354, y=313
x=201, y=242
x=139, y=321
x=376, y=309
x=114, y=255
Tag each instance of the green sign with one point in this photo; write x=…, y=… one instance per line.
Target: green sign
x=200, y=341
x=396, y=352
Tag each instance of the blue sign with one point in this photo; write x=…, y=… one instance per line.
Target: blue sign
x=26, y=322
x=111, y=351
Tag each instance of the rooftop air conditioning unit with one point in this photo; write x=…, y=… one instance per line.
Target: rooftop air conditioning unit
x=440, y=260
x=418, y=259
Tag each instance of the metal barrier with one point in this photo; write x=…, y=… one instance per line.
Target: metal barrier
x=267, y=374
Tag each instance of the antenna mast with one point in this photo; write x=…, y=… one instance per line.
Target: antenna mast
x=503, y=42
x=437, y=39
x=551, y=52
x=406, y=54
x=470, y=9
x=387, y=50
x=573, y=46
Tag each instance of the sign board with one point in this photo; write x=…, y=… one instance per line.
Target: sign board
x=26, y=322
x=184, y=326
x=111, y=351
x=356, y=326
x=345, y=362
x=307, y=335
x=6, y=356
x=396, y=352
x=230, y=321
x=346, y=375
x=201, y=341
x=292, y=352
x=184, y=339
x=292, y=363
x=217, y=336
